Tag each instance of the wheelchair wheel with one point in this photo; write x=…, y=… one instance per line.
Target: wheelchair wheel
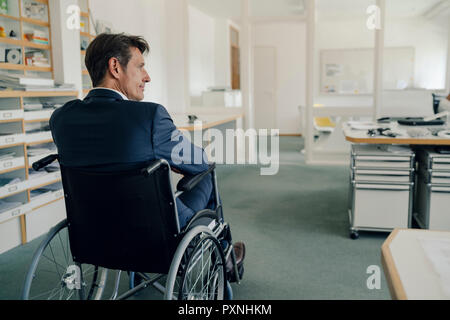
x=198, y=269
x=53, y=275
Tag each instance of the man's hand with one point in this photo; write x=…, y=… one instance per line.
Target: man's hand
x=176, y=170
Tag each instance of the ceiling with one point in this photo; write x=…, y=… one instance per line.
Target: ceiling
x=394, y=8
x=324, y=8
x=258, y=8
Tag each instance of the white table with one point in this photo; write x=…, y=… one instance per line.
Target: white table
x=409, y=268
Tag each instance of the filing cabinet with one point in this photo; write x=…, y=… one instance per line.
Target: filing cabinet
x=381, y=188
x=432, y=203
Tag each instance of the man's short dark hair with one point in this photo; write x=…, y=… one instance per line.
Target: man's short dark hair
x=106, y=46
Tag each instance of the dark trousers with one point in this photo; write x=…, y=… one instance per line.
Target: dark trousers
x=199, y=198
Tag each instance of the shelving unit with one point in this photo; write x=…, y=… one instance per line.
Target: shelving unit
x=21, y=143
x=32, y=37
x=86, y=37
x=36, y=201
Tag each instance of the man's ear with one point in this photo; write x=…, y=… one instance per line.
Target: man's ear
x=114, y=67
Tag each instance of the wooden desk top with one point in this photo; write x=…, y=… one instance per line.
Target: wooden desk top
x=209, y=121
x=409, y=272
x=360, y=136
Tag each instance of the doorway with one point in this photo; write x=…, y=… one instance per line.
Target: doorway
x=235, y=59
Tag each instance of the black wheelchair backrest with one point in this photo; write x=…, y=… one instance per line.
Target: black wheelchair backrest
x=122, y=220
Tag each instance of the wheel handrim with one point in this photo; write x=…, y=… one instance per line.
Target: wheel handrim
x=203, y=277
x=55, y=276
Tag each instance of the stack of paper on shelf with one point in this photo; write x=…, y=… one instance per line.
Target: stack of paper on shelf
x=21, y=82
x=63, y=87
x=5, y=205
x=9, y=181
x=34, y=10
x=39, y=193
x=36, y=59
x=37, y=37
x=36, y=174
x=7, y=156
x=31, y=83
x=39, y=150
x=29, y=107
x=36, y=127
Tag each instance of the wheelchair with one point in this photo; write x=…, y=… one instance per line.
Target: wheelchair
x=127, y=222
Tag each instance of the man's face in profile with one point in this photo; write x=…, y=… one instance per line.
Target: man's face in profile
x=135, y=76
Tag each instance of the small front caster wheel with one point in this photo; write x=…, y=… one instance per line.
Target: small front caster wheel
x=354, y=235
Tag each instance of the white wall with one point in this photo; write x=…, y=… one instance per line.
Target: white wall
x=177, y=54
x=147, y=18
x=222, y=53
x=430, y=42
x=289, y=39
x=202, y=37
x=209, y=53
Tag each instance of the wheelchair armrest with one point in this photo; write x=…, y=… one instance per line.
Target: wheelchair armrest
x=45, y=162
x=188, y=183
x=155, y=165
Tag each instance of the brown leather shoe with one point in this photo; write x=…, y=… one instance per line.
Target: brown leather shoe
x=239, y=252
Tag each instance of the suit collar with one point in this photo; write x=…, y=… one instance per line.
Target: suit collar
x=104, y=93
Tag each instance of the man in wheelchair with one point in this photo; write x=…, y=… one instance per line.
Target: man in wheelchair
x=105, y=144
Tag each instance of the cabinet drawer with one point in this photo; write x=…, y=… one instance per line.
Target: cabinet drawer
x=12, y=139
x=439, y=215
x=12, y=163
x=13, y=213
x=14, y=188
x=11, y=115
x=381, y=205
x=382, y=175
x=365, y=163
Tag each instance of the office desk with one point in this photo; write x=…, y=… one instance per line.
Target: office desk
x=208, y=121
x=361, y=136
x=409, y=271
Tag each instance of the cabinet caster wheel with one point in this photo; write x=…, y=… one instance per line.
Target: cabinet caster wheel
x=354, y=235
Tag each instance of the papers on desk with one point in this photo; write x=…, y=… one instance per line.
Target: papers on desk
x=444, y=134
x=363, y=125
x=438, y=253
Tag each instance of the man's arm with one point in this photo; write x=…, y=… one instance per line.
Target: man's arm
x=170, y=144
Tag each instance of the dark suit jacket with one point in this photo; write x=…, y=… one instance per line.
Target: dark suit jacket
x=106, y=132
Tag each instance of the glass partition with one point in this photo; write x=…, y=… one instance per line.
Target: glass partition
x=344, y=60
x=416, y=51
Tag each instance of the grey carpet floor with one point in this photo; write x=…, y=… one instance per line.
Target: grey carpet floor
x=295, y=227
